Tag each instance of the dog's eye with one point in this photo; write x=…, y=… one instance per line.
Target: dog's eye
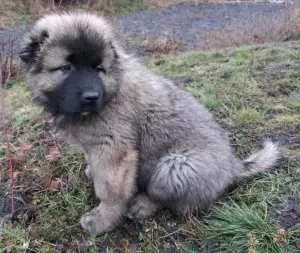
x=65, y=68
x=100, y=69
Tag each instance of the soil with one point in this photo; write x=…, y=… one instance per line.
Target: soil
x=288, y=215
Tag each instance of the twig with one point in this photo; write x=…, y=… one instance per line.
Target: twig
x=172, y=233
x=11, y=169
x=5, y=69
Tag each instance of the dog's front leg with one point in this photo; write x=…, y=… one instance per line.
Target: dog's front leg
x=114, y=183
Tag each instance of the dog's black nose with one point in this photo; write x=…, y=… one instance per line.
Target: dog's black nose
x=90, y=96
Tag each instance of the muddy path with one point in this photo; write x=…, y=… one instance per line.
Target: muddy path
x=187, y=23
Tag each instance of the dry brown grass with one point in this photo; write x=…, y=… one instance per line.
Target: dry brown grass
x=9, y=67
x=161, y=46
x=290, y=28
x=255, y=30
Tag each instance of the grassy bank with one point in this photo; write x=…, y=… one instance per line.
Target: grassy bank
x=254, y=93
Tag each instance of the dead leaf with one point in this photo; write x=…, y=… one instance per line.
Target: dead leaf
x=26, y=148
x=55, y=185
x=35, y=120
x=252, y=244
x=54, y=155
x=16, y=177
x=280, y=237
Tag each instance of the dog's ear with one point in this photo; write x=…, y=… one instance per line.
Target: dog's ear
x=32, y=46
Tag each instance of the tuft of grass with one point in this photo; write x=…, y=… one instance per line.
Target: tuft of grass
x=211, y=101
x=236, y=227
x=247, y=117
x=130, y=6
x=18, y=104
x=295, y=104
x=16, y=236
x=289, y=122
x=161, y=46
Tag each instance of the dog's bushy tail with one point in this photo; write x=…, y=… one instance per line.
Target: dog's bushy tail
x=264, y=160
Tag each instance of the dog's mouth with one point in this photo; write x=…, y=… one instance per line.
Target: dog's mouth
x=85, y=113
x=88, y=109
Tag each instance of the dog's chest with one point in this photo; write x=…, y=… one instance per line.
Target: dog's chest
x=87, y=137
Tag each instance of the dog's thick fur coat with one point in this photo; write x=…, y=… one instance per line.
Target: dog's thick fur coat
x=148, y=144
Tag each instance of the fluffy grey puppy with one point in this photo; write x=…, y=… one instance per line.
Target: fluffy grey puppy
x=149, y=145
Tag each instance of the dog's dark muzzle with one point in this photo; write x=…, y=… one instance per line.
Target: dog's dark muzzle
x=82, y=92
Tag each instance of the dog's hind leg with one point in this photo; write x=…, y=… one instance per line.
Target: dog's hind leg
x=185, y=183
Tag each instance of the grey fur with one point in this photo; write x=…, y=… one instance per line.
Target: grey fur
x=152, y=146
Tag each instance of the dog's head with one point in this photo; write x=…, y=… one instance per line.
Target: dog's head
x=72, y=65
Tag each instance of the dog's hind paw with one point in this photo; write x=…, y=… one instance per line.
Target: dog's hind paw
x=142, y=208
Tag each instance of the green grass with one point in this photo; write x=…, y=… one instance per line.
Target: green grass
x=130, y=6
x=253, y=92
x=244, y=228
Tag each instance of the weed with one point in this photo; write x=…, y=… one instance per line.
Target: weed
x=247, y=117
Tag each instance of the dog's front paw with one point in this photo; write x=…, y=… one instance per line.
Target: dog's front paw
x=99, y=220
x=90, y=223
x=94, y=223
